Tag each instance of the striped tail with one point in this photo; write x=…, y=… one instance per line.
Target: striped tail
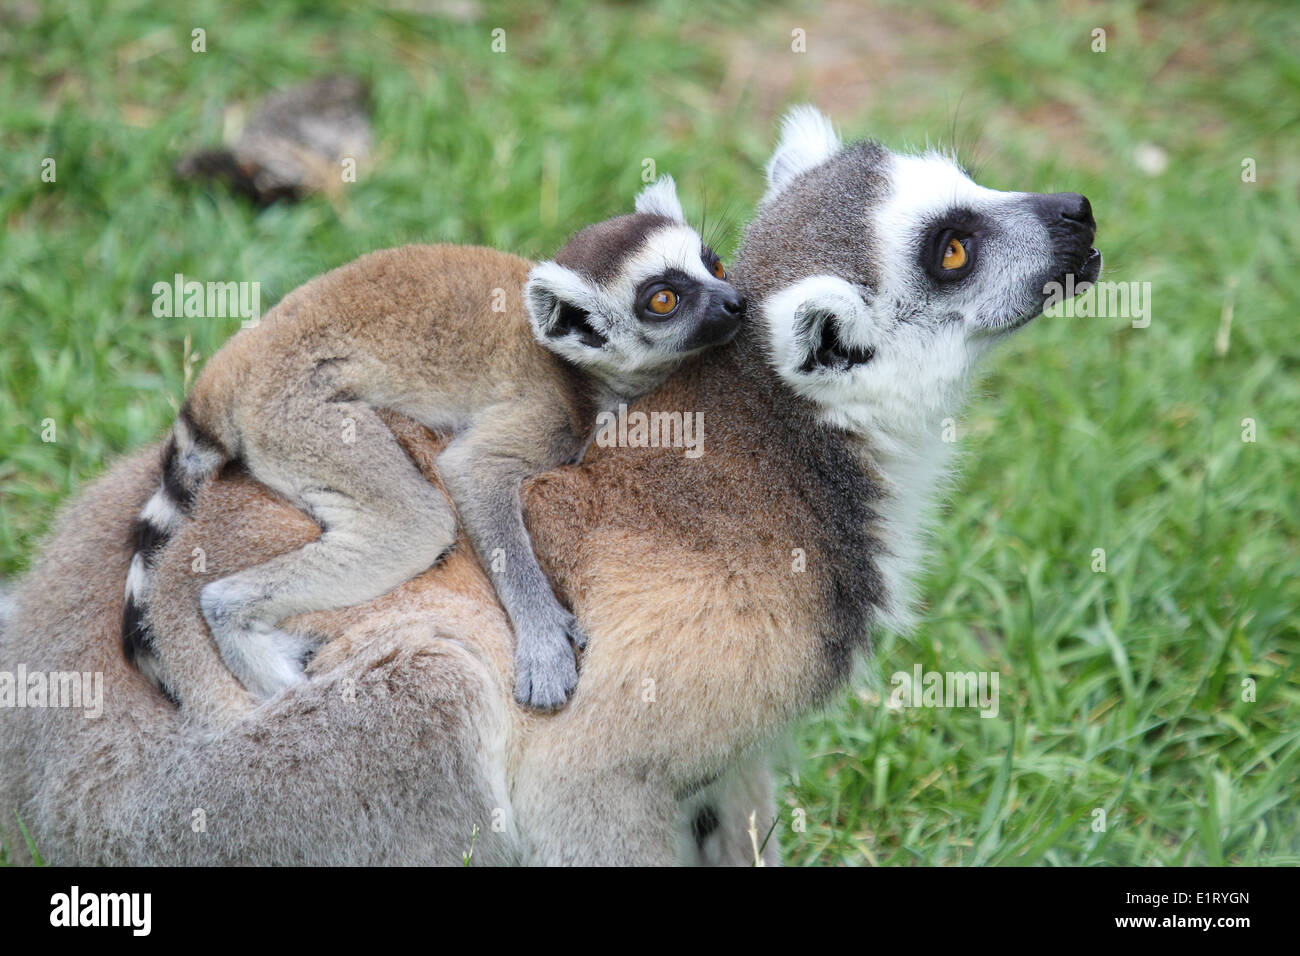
x=190, y=458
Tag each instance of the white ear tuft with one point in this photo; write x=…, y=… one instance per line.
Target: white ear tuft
x=660, y=199
x=807, y=139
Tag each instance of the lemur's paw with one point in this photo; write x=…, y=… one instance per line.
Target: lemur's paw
x=273, y=661
x=545, y=670
x=264, y=659
x=577, y=636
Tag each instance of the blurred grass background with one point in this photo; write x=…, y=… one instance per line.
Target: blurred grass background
x=1121, y=691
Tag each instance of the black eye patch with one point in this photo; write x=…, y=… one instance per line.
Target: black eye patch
x=685, y=287
x=960, y=224
x=578, y=321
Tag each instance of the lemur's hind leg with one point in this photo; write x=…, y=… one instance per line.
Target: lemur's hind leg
x=382, y=522
x=483, y=469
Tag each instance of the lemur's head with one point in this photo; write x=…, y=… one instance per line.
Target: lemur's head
x=880, y=277
x=630, y=297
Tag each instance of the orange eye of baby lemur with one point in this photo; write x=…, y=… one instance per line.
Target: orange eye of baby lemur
x=954, y=254
x=663, y=301
x=719, y=270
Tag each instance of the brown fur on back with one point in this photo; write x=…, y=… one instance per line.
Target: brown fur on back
x=399, y=325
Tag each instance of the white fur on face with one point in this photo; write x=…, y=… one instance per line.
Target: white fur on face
x=922, y=338
x=925, y=340
x=924, y=186
x=611, y=307
x=635, y=347
x=923, y=189
x=672, y=247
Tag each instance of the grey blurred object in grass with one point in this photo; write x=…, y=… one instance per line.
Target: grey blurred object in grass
x=294, y=143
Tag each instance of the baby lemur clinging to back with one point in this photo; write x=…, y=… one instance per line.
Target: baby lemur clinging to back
x=295, y=398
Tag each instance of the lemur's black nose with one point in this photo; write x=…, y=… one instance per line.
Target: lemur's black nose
x=734, y=305
x=1079, y=209
x=1069, y=206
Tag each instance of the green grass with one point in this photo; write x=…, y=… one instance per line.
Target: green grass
x=1120, y=691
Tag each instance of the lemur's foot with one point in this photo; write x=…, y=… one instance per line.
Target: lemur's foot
x=546, y=672
x=265, y=659
x=275, y=661
x=577, y=636
x=268, y=662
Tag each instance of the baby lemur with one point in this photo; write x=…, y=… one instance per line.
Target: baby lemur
x=518, y=385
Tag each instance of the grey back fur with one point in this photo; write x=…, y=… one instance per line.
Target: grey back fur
x=401, y=748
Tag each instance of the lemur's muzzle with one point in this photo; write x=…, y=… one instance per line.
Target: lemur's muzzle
x=721, y=321
x=1069, y=222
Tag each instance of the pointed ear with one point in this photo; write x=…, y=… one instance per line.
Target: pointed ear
x=660, y=198
x=807, y=140
x=560, y=304
x=819, y=325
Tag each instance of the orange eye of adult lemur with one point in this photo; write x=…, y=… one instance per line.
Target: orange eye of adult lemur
x=663, y=302
x=713, y=263
x=954, y=254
